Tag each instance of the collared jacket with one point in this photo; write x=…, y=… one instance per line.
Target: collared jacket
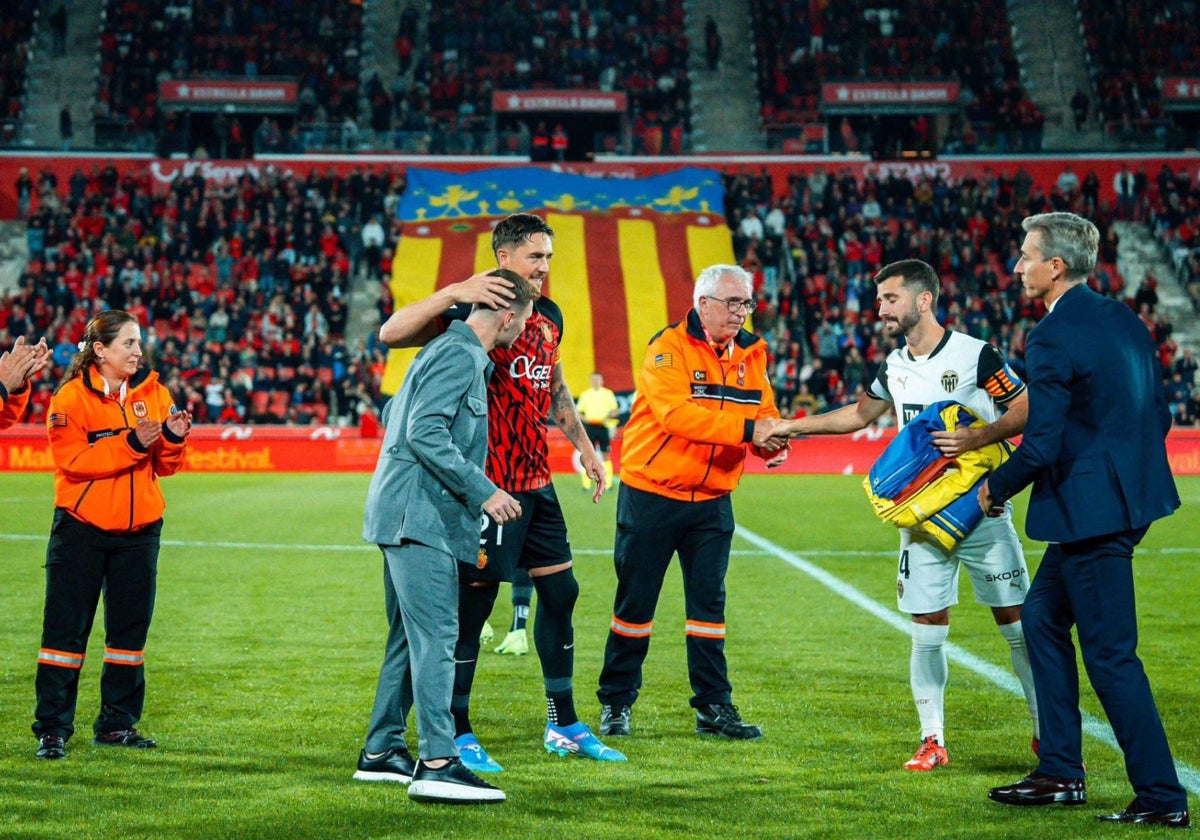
x=429, y=484
x=102, y=473
x=13, y=404
x=694, y=414
x=1094, y=446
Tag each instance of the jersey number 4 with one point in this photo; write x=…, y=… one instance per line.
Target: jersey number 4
x=904, y=564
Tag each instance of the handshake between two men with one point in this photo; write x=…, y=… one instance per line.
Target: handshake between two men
x=772, y=439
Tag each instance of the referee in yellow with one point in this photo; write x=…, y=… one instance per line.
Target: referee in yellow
x=599, y=409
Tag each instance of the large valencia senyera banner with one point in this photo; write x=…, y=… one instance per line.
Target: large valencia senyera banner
x=626, y=252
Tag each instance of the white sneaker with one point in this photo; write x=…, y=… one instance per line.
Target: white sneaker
x=452, y=782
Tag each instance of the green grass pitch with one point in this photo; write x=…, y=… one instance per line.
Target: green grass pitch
x=269, y=629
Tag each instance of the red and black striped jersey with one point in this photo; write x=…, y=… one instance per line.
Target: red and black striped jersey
x=519, y=399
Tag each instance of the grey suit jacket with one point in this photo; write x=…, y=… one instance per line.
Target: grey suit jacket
x=429, y=484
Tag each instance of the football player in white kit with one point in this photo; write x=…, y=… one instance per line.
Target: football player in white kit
x=939, y=364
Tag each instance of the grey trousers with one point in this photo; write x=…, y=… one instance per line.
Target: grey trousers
x=421, y=594
x=393, y=693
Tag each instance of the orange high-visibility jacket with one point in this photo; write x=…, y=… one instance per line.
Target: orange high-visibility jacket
x=102, y=474
x=694, y=413
x=13, y=405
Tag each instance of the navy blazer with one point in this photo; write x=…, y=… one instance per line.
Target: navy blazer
x=429, y=484
x=1093, y=446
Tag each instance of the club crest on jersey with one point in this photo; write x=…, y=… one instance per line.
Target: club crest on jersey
x=547, y=331
x=699, y=376
x=482, y=561
x=139, y=409
x=741, y=375
x=950, y=381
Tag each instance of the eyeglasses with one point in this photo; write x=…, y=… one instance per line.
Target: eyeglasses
x=736, y=305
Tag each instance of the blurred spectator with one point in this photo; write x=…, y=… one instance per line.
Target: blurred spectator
x=58, y=30
x=712, y=43
x=1079, y=108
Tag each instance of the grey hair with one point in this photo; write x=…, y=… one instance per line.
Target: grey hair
x=1073, y=239
x=710, y=278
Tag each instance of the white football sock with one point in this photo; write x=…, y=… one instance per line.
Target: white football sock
x=1013, y=634
x=928, y=675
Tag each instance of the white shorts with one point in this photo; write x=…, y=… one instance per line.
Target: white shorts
x=927, y=577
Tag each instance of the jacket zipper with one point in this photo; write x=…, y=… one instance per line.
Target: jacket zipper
x=657, y=451
x=125, y=420
x=83, y=495
x=712, y=448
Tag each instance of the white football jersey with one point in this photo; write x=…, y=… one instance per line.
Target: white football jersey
x=960, y=368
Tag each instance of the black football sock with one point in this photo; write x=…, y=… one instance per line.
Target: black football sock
x=554, y=637
x=522, y=595
x=474, y=606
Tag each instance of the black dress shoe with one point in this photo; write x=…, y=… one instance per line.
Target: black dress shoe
x=52, y=747
x=723, y=719
x=124, y=738
x=1137, y=815
x=1039, y=789
x=614, y=719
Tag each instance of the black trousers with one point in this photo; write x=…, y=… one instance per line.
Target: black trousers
x=1088, y=585
x=82, y=562
x=650, y=530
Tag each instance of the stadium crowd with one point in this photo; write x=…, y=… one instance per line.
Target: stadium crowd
x=798, y=45
x=1132, y=47
x=242, y=287
x=144, y=42
x=636, y=46
x=471, y=48
x=17, y=21
x=814, y=251
x=441, y=101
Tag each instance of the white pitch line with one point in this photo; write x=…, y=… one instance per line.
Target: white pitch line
x=1098, y=729
x=1188, y=776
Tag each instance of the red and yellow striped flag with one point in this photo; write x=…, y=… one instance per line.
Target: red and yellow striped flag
x=626, y=253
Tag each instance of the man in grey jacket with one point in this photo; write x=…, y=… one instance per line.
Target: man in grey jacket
x=423, y=509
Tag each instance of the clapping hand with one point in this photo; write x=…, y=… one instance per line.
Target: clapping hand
x=148, y=432
x=22, y=363
x=180, y=423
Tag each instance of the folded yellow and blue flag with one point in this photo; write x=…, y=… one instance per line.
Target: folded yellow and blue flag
x=913, y=485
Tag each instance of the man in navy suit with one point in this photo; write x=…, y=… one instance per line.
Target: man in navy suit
x=1094, y=451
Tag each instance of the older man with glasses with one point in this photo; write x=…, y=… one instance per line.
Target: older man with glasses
x=703, y=395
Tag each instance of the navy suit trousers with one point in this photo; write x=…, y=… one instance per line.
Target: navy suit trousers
x=1089, y=584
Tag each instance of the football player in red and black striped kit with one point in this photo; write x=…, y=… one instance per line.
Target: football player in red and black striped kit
x=526, y=386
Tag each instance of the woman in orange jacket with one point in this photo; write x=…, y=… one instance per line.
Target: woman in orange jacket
x=114, y=429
